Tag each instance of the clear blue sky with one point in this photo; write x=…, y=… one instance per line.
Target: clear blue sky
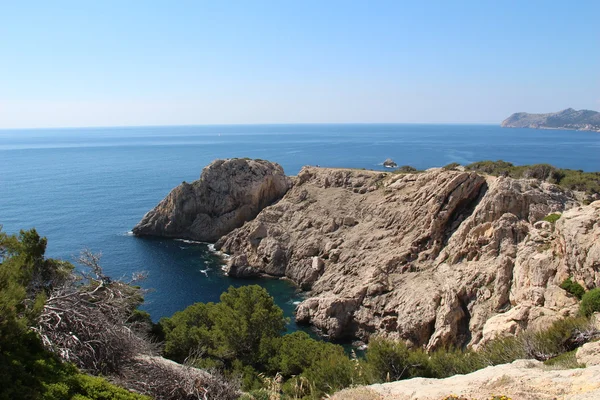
x=106, y=63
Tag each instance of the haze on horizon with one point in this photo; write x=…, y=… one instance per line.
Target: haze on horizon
x=116, y=63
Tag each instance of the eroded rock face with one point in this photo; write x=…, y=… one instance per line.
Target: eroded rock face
x=434, y=259
x=228, y=193
x=427, y=258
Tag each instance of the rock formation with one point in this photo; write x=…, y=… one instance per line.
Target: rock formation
x=389, y=163
x=522, y=379
x=434, y=258
x=228, y=193
x=584, y=120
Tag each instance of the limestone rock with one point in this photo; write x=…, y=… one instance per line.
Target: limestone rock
x=228, y=193
x=589, y=354
x=425, y=257
x=522, y=379
x=433, y=258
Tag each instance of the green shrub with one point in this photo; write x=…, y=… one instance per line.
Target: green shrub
x=559, y=338
x=405, y=169
x=332, y=373
x=570, y=179
x=452, y=166
x=448, y=362
x=491, y=167
x=573, y=287
x=590, y=302
x=502, y=350
x=566, y=360
x=552, y=218
x=392, y=360
x=27, y=369
x=291, y=354
x=232, y=329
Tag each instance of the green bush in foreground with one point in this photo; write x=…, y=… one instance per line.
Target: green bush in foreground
x=27, y=370
x=590, y=302
x=232, y=329
x=573, y=287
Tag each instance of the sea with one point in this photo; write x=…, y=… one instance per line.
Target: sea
x=86, y=188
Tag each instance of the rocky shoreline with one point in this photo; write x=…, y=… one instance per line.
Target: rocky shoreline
x=434, y=258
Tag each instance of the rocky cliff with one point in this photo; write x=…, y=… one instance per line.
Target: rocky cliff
x=228, y=193
x=585, y=120
x=433, y=258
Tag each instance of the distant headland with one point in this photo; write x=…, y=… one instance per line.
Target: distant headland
x=582, y=120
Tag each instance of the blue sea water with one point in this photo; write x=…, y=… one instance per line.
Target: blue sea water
x=86, y=188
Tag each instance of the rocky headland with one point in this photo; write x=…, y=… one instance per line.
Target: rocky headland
x=228, y=193
x=433, y=258
x=581, y=120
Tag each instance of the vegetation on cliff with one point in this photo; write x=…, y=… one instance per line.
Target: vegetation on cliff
x=295, y=366
x=567, y=178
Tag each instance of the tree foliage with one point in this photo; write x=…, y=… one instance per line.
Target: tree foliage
x=27, y=369
x=232, y=329
x=573, y=287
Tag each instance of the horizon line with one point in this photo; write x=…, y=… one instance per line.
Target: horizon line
x=243, y=124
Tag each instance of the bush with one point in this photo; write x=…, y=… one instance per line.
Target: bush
x=292, y=354
x=448, y=362
x=232, y=329
x=567, y=178
x=502, y=350
x=392, y=360
x=405, y=169
x=573, y=288
x=332, y=373
x=566, y=360
x=452, y=166
x=27, y=369
x=590, y=302
x=552, y=218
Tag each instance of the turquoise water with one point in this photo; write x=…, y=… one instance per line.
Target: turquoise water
x=86, y=188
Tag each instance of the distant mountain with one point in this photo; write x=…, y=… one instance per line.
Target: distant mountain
x=582, y=120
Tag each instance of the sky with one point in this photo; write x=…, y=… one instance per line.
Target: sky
x=122, y=63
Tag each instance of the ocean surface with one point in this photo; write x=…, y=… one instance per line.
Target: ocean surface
x=86, y=188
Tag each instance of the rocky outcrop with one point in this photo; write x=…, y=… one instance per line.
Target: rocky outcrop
x=228, y=193
x=589, y=354
x=433, y=258
x=389, y=163
x=584, y=120
x=436, y=258
x=522, y=379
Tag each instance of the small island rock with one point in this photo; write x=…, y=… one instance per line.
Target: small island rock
x=389, y=163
